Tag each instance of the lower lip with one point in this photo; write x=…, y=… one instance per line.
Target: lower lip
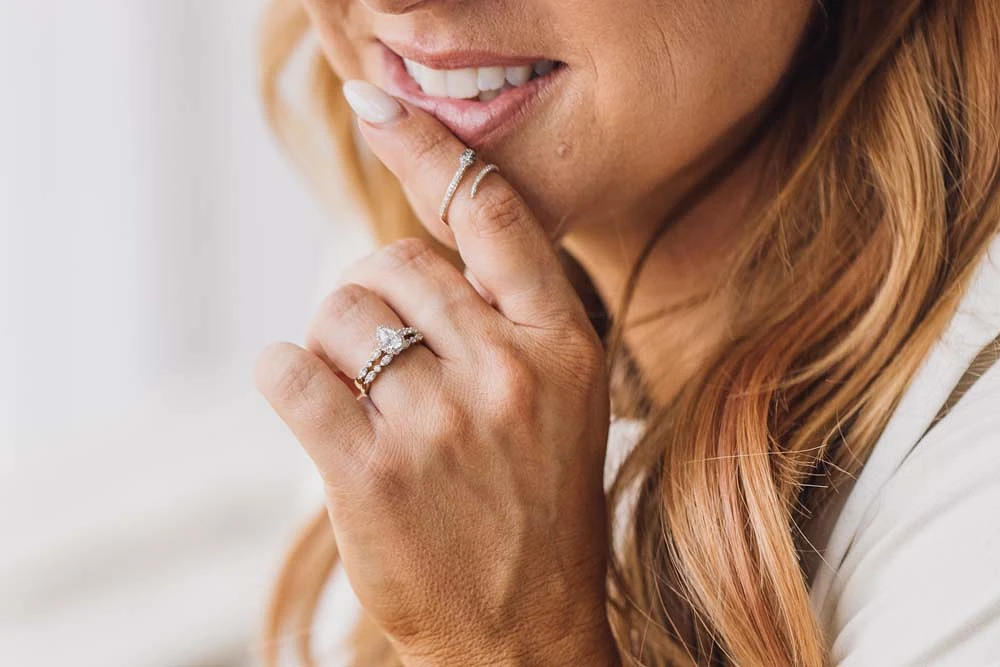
x=475, y=123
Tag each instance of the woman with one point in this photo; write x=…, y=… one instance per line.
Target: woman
x=772, y=218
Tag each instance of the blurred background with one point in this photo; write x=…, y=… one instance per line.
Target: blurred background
x=153, y=238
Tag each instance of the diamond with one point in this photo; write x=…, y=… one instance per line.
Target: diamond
x=370, y=378
x=389, y=340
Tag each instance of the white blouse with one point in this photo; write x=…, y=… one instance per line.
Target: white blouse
x=907, y=570
x=911, y=565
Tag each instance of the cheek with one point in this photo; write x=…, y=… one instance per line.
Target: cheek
x=561, y=166
x=600, y=148
x=644, y=117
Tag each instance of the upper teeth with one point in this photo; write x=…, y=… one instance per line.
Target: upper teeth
x=484, y=83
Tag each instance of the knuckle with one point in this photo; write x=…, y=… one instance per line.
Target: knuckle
x=296, y=380
x=416, y=255
x=408, y=253
x=583, y=355
x=424, y=147
x=343, y=302
x=496, y=211
x=515, y=387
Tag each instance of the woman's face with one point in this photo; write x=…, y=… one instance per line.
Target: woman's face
x=642, y=90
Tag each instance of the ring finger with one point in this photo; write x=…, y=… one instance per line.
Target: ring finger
x=343, y=332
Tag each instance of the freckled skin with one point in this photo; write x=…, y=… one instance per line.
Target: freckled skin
x=651, y=85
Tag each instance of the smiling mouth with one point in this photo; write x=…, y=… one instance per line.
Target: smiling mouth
x=478, y=96
x=484, y=84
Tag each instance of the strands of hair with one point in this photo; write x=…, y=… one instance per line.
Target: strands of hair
x=887, y=141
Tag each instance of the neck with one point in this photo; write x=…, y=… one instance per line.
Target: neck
x=672, y=323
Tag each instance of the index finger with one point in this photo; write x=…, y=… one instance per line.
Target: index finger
x=498, y=237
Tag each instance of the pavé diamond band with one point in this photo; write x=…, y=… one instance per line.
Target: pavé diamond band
x=467, y=159
x=487, y=170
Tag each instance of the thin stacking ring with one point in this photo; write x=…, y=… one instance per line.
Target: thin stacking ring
x=390, y=344
x=487, y=170
x=467, y=159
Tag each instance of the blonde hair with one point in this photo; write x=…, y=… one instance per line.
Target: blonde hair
x=887, y=145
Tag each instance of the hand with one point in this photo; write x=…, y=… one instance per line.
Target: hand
x=465, y=492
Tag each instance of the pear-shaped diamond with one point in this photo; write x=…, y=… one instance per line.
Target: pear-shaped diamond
x=389, y=340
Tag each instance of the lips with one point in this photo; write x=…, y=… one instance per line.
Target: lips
x=442, y=84
x=477, y=83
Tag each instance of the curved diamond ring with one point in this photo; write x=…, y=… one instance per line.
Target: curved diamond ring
x=390, y=344
x=467, y=159
x=487, y=170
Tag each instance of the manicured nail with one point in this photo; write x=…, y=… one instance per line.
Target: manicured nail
x=371, y=103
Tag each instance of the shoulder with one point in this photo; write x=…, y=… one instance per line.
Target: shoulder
x=920, y=583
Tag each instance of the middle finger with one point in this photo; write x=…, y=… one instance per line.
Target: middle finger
x=428, y=293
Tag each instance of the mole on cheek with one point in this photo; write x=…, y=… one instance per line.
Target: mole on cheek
x=563, y=149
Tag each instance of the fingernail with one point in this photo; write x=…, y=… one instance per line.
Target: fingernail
x=371, y=103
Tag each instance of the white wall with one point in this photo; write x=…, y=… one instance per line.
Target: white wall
x=153, y=239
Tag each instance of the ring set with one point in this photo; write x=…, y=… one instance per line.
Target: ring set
x=467, y=159
x=390, y=344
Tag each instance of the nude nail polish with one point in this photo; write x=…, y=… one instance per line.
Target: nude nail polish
x=370, y=103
